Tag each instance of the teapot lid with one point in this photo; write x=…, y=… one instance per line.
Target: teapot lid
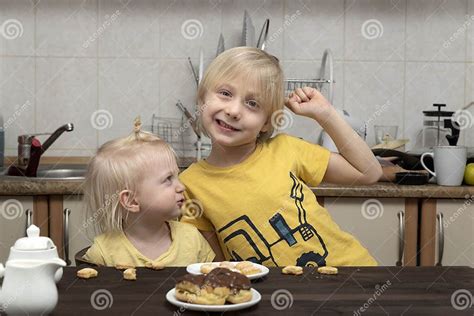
x=34, y=241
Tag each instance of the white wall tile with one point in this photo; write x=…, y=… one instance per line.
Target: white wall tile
x=303, y=127
x=127, y=88
x=428, y=83
x=132, y=32
x=375, y=30
x=470, y=32
x=17, y=21
x=310, y=70
x=233, y=14
x=186, y=26
x=430, y=25
x=67, y=92
x=319, y=26
x=467, y=134
x=176, y=83
x=65, y=28
x=17, y=99
x=374, y=94
x=143, y=66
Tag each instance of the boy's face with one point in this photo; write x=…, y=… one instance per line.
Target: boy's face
x=233, y=113
x=160, y=194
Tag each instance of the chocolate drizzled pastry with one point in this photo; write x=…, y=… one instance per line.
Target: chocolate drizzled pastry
x=219, y=286
x=225, y=277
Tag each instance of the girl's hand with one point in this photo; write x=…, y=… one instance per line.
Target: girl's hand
x=308, y=102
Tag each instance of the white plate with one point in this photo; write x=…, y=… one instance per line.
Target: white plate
x=195, y=268
x=170, y=297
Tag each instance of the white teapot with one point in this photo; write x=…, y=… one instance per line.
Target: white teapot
x=29, y=287
x=35, y=247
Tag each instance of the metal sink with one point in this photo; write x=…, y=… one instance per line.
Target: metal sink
x=67, y=174
x=53, y=172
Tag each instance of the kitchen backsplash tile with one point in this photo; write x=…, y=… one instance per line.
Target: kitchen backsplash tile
x=17, y=28
x=470, y=31
x=100, y=63
x=316, y=25
x=129, y=29
x=186, y=26
x=429, y=83
x=375, y=30
x=373, y=93
x=127, y=88
x=432, y=30
x=467, y=133
x=303, y=70
x=176, y=83
x=66, y=91
x=233, y=14
x=65, y=28
x=17, y=98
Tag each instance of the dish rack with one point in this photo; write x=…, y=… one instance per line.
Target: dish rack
x=326, y=77
x=175, y=131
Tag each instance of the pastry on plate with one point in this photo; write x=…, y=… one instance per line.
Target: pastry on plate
x=207, y=267
x=216, y=288
x=247, y=268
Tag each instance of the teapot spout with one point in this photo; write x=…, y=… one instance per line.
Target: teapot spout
x=58, y=261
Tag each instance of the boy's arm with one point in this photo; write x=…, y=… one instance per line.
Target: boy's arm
x=211, y=238
x=356, y=163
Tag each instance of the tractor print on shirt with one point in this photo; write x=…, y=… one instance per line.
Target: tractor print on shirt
x=243, y=230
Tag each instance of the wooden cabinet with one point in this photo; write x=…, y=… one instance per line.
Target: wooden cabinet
x=70, y=229
x=387, y=227
x=80, y=229
x=447, y=232
x=15, y=214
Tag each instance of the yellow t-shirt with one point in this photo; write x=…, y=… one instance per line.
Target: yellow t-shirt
x=264, y=211
x=187, y=246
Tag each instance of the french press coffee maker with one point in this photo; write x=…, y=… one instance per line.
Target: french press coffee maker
x=439, y=128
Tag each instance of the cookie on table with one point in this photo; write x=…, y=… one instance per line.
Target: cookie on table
x=327, y=270
x=294, y=270
x=87, y=273
x=130, y=274
x=123, y=266
x=155, y=266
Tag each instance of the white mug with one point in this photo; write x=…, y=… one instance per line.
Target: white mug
x=449, y=164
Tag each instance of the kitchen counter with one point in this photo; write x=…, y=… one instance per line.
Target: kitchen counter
x=354, y=291
x=31, y=186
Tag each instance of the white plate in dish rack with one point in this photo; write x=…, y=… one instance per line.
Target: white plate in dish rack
x=195, y=268
x=171, y=297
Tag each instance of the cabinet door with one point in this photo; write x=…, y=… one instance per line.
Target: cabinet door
x=376, y=224
x=15, y=213
x=80, y=232
x=457, y=219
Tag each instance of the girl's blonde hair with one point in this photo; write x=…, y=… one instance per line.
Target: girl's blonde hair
x=119, y=165
x=260, y=68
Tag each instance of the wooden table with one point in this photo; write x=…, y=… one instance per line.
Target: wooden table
x=354, y=291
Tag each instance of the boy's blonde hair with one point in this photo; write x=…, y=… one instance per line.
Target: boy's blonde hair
x=260, y=68
x=121, y=164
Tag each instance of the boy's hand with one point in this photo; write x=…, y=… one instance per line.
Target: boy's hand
x=308, y=102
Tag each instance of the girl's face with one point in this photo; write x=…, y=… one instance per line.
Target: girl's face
x=233, y=114
x=160, y=195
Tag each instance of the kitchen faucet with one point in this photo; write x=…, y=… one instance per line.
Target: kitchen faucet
x=30, y=151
